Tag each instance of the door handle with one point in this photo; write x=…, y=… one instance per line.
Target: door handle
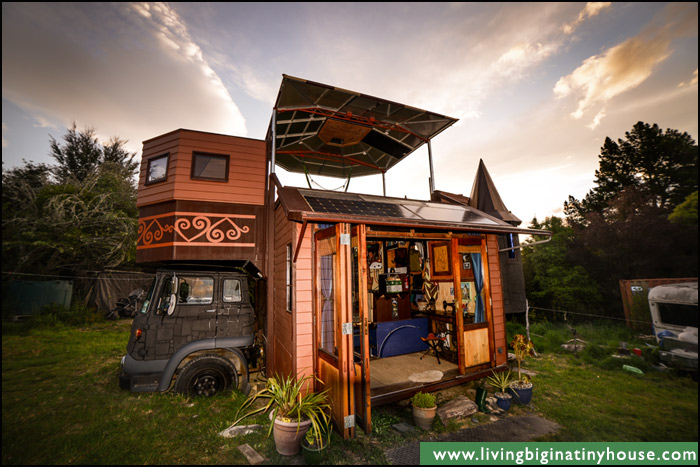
x=210, y=311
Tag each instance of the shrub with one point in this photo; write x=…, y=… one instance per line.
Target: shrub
x=423, y=400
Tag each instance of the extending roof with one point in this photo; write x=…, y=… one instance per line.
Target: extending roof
x=318, y=206
x=329, y=131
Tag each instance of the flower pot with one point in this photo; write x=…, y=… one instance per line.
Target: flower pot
x=288, y=436
x=503, y=401
x=312, y=454
x=423, y=418
x=522, y=393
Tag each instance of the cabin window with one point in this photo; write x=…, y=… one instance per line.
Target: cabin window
x=213, y=167
x=288, y=279
x=232, y=290
x=157, y=170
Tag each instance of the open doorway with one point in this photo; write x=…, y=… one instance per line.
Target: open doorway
x=398, y=312
x=416, y=320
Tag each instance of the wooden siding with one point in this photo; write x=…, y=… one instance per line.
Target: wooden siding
x=282, y=321
x=303, y=302
x=496, y=284
x=187, y=230
x=246, y=177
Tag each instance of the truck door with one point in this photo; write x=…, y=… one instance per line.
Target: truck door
x=184, y=310
x=235, y=313
x=194, y=316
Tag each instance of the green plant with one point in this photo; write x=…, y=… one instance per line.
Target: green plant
x=317, y=438
x=423, y=400
x=289, y=401
x=500, y=380
x=522, y=348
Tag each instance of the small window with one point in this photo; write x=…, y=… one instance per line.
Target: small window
x=510, y=244
x=195, y=290
x=232, y=290
x=288, y=283
x=157, y=169
x=212, y=167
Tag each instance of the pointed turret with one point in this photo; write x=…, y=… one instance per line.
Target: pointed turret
x=485, y=197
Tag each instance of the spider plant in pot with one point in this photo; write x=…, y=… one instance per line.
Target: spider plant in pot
x=424, y=410
x=521, y=389
x=293, y=410
x=501, y=381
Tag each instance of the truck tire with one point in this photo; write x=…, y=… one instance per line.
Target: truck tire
x=206, y=376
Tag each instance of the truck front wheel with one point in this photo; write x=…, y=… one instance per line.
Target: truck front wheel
x=206, y=376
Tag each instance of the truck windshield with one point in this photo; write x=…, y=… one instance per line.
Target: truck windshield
x=149, y=297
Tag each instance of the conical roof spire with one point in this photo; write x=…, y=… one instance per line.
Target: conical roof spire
x=485, y=197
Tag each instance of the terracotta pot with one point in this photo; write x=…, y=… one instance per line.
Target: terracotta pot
x=288, y=436
x=423, y=418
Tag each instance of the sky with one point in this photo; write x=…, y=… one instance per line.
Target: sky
x=537, y=87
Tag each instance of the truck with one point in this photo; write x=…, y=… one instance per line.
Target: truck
x=674, y=314
x=194, y=333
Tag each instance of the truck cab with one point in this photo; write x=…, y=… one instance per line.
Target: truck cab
x=195, y=332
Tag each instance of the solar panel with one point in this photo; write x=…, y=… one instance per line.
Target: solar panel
x=390, y=209
x=357, y=207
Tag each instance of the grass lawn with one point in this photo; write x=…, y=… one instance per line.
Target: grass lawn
x=61, y=404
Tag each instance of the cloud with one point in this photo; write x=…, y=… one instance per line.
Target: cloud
x=130, y=70
x=625, y=66
x=693, y=81
x=591, y=9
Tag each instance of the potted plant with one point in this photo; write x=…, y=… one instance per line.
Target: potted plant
x=424, y=410
x=314, y=443
x=293, y=411
x=501, y=381
x=521, y=388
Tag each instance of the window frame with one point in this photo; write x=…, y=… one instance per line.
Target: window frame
x=196, y=154
x=151, y=160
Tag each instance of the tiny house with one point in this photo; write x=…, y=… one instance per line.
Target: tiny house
x=378, y=297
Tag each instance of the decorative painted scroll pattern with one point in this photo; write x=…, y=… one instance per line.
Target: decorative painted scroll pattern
x=192, y=229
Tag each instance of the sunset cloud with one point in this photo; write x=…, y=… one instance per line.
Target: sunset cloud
x=620, y=68
x=140, y=73
x=591, y=9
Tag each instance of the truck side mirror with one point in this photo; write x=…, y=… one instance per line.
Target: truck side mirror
x=173, y=297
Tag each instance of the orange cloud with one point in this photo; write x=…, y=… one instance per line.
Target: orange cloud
x=623, y=67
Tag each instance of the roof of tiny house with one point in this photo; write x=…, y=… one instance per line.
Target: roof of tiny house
x=329, y=131
x=320, y=206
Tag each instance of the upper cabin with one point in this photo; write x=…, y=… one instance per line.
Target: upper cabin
x=201, y=197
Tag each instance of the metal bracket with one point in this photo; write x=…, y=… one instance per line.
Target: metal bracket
x=347, y=329
x=349, y=421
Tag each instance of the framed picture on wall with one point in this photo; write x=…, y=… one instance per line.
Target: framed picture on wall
x=440, y=260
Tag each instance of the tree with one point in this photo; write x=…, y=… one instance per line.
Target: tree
x=633, y=239
x=686, y=213
x=662, y=164
x=553, y=279
x=81, y=154
x=78, y=215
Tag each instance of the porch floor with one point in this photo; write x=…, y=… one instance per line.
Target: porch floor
x=407, y=371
